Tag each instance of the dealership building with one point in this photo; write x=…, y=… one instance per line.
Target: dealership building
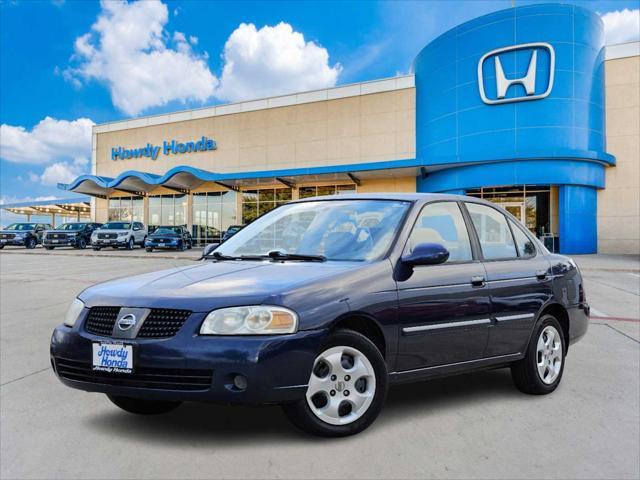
x=524, y=107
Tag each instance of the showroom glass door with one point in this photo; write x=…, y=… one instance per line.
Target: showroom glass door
x=516, y=209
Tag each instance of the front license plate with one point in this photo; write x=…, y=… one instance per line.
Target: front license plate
x=56, y=241
x=112, y=357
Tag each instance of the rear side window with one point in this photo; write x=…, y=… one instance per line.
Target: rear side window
x=493, y=231
x=526, y=248
x=443, y=223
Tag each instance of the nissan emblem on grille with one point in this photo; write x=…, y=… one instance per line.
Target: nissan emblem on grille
x=126, y=322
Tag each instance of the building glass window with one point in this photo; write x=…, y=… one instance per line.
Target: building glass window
x=126, y=208
x=322, y=190
x=528, y=203
x=493, y=232
x=213, y=214
x=259, y=202
x=167, y=210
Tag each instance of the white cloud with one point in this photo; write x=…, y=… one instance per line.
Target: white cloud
x=621, y=26
x=272, y=61
x=48, y=141
x=127, y=50
x=61, y=172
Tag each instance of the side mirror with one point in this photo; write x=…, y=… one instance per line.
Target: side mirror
x=209, y=248
x=426, y=254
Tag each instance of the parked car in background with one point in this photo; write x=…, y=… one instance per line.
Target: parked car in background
x=23, y=234
x=231, y=231
x=321, y=304
x=175, y=237
x=73, y=234
x=119, y=234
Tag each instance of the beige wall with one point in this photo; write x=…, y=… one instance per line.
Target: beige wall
x=619, y=202
x=364, y=128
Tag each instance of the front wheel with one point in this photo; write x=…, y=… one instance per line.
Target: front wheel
x=82, y=244
x=189, y=245
x=130, y=244
x=97, y=249
x=347, y=387
x=31, y=243
x=49, y=248
x=540, y=371
x=149, y=249
x=143, y=407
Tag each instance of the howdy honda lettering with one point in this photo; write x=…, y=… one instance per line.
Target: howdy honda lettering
x=170, y=147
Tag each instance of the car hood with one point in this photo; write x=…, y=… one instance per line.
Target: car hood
x=208, y=284
x=70, y=232
x=164, y=235
x=17, y=231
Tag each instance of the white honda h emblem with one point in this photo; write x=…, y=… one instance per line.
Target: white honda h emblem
x=528, y=81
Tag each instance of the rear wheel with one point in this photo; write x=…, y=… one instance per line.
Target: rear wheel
x=540, y=371
x=143, y=407
x=347, y=387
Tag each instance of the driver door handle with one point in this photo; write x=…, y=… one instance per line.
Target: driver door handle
x=541, y=274
x=478, y=281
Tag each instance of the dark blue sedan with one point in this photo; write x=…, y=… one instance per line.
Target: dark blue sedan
x=174, y=237
x=322, y=303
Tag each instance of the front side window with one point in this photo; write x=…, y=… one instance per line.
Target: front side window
x=443, y=223
x=526, y=248
x=355, y=230
x=493, y=232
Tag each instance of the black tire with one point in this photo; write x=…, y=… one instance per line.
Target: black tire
x=1, y=247
x=149, y=249
x=525, y=372
x=144, y=240
x=97, y=249
x=31, y=243
x=181, y=246
x=143, y=407
x=49, y=248
x=82, y=244
x=130, y=243
x=189, y=245
x=115, y=247
x=301, y=415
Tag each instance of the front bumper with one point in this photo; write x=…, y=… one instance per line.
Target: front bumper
x=59, y=242
x=153, y=244
x=107, y=242
x=13, y=241
x=276, y=367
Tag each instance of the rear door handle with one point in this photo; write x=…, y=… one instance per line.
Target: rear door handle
x=541, y=274
x=478, y=281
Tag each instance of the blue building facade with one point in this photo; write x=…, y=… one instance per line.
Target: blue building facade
x=516, y=98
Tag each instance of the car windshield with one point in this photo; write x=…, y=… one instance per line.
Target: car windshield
x=22, y=226
x=355, y=230
x=167, y=231
x=71, y=226
x=116, y=226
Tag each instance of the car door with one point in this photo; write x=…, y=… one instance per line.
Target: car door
x=138, y=233
x=518, y=278
x=444, y=310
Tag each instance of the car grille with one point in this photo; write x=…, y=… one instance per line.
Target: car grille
x=7, y=236
x=107, y=235
x=163, y=323
x=57, y=235
x=160, y=323
x=101, y=320
x=155, y=378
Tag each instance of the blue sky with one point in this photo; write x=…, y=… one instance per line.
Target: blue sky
x=62, y=66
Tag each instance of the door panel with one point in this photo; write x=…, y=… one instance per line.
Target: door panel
x=443, y=318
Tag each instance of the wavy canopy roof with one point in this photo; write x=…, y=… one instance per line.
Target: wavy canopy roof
x=185, y=178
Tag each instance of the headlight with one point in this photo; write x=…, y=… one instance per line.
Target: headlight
x=73, y=313
x=253, y=320
x=19, y=236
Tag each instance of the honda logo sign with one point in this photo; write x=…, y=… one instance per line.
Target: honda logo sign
x=528, y=81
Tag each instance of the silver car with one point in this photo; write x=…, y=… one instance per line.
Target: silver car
x=119, y=234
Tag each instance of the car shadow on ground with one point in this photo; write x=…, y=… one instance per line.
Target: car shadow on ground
x=229, y=425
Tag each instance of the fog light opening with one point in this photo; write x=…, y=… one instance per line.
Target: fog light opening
x=240, y=382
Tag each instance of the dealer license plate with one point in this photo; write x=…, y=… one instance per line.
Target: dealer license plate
x=112, y=357
x=55, y=241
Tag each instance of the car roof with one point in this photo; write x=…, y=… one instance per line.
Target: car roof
x=406, y=197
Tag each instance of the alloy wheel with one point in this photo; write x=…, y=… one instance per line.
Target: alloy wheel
x=549, y=355
x=342, y=385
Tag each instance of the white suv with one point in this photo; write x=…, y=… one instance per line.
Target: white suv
x=119, y=234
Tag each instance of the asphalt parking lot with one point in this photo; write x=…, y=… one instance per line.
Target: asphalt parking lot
x=471, y=426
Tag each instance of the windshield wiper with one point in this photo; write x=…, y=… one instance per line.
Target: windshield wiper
x=278, y=255
x=220, y=256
